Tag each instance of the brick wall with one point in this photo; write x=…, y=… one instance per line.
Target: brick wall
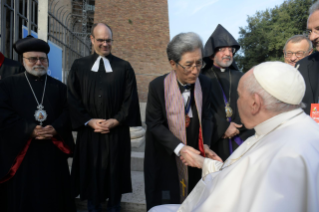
x=140, y=33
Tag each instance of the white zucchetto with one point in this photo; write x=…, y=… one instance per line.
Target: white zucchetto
x=282, y=81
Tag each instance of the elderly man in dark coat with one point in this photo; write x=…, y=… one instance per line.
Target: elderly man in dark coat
x=229, y=133
x=179, y=120
x=36, y=137
x=309, y=66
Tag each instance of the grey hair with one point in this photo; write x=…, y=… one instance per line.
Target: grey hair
x=297, y=39
x=314, y=8
x=182, y=43
x=271, y=103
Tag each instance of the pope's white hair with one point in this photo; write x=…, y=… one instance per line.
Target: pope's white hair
x=271, y=103
x=314, y=7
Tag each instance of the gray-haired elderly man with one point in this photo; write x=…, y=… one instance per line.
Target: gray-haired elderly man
x=309, y=66
x=296, y=48
x=178, y=119
x=275, y=170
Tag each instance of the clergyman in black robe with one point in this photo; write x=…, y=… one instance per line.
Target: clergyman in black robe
x=178, y=119
x=102, y=95
x=9, y=67
x=229, y=133
x=34, y=173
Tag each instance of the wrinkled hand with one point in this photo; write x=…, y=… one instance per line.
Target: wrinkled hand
x=211, y=154
x=232, y=130
x=97, y=125
x=43, y=133
x=191, y=157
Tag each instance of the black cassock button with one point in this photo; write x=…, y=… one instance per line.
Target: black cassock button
x=100, y=96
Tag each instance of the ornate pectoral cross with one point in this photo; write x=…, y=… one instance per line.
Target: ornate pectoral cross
x=184, y=186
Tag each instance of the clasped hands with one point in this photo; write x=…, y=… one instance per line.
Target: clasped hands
x=43, y=133
x=103, y=126
x=232, y=130
x=192, y=157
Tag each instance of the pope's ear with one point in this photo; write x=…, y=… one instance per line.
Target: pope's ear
x=256, y=104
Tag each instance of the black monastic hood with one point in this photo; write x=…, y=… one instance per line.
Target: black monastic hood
x=220, y=38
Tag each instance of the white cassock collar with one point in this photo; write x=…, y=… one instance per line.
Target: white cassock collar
x=106, y=62
x=222, y=69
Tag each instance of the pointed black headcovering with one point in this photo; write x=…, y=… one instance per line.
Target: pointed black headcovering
x=31, y=44
x=220, y=38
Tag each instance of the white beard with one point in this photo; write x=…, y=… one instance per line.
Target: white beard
x=37, y=70
x=224, y=64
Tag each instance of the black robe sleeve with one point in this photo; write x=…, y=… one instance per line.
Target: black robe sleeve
x=129, y=113
x=156, y=118
x=207, y=114
x=62, y=124
x=79, y=115
x=220, y=127
x=15, y=131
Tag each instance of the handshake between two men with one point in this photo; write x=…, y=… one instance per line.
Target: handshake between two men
x=191, y=157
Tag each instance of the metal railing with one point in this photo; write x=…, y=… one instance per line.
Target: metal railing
x=14, y=14
x=17, y=13
x=61, y=33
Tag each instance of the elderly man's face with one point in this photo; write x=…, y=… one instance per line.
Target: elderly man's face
x=102, y=40
x=223, y=57
x=36, y=63
x=313, y=25
x=188, y=68
x=245, y=103
x=296, y=51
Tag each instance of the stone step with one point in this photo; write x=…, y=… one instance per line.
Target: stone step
x=137, y=160
x=131, y=202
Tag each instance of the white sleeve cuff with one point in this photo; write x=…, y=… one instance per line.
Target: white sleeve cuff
x=210, y=166
x=86, y=123
x=178, y=149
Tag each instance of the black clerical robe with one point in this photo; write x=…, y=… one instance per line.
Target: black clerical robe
x=101, y=165
x=9, y=67
x=34, y=174
x=160, y=169
x=309, y=69
x=218, y=143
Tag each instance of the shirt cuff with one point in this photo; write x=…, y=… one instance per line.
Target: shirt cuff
x=86, y=123
x=178, y=149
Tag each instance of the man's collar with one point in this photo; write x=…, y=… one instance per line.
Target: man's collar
x=220, y=69
x=106, y=62
x=270, y=124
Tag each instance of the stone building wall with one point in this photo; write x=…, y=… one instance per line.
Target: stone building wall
x=140, y=33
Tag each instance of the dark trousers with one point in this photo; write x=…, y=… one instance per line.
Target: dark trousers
x=113, y=205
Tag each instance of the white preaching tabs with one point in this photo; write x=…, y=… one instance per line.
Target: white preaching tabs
x=106, y=62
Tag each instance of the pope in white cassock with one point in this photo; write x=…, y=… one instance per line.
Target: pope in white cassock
x=277, y=169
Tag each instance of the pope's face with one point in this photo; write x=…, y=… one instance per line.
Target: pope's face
x=36, y=63
x=223, y=57
x=245, y=103
x=102, y=40
x=296, y=51
x=313, y=25
x=188, y=68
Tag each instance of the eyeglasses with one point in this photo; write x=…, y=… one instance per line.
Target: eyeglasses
x=106, y=40
x=34, y=60
x=199, y=65
x=298, y=54
x=223, y=49
x=309, y=31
